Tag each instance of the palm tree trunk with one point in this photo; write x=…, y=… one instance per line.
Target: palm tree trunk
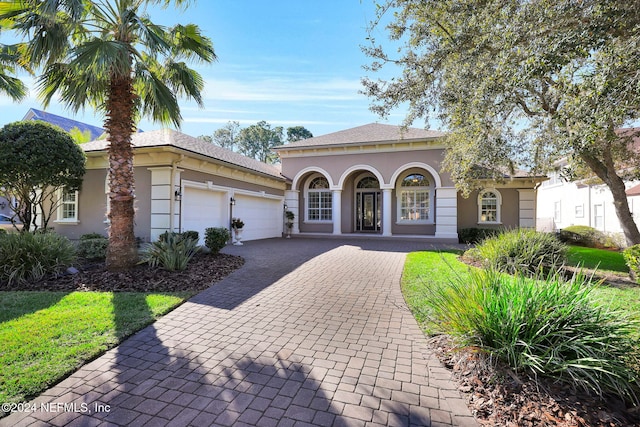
x=122, y=250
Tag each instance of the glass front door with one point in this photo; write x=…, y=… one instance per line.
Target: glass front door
x=368, y=211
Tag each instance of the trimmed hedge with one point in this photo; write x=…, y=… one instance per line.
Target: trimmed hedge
x=216, y=238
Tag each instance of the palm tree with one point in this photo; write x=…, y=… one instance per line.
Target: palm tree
x=10, y=62
x=110, y=56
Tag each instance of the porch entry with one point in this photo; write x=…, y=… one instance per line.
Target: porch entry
x=368, y=205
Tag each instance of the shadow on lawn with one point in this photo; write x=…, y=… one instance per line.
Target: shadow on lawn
x=17, y=304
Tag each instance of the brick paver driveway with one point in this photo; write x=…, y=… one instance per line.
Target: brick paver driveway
x=308, y=332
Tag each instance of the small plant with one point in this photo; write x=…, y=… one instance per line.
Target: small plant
x=522, y=250
x=542, y=326
x=93, y=246
x=28, y=257
x=172, y=252
x=237, y=223
x=191, y=234
x=632, y=258
x=216, y=238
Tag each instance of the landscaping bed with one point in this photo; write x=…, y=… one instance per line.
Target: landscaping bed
x=203, y=270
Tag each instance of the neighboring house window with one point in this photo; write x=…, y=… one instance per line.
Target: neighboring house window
x=319, y=205
x=557, y=211
x=414, y=199
x=489, y=206
x=598, y=217
x=579, y=211
x=68, y=208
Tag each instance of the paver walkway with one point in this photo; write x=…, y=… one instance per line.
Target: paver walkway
x=308, y=332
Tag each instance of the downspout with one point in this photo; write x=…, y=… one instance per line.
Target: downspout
x=172, y=205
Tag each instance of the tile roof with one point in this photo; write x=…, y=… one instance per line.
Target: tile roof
x=63, y=122
x=370, y=133
x=170, y=137
x=634, y=191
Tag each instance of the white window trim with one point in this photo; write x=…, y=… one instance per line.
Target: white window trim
x=498, y=206
x=60, y=210
x=306, y=200
x=429, y=188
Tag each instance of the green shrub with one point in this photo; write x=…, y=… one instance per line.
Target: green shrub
x=3, y=232
x=172, y=252
x=522, y=250
x=91, y=236
x=93, y=248
x=583, y=235
x=475, y=235
x=192, y=234
x=31, y=256
x=216, y=238
x=632, y=258
x=543, y=326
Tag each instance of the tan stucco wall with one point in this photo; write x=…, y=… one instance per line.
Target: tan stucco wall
x=468, y=210
x=92, y=202
x=384, y=162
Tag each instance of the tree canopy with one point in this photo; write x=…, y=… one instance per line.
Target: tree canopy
x=297, y=133
x=37, y=160
x=255, y=141
x=517, y=83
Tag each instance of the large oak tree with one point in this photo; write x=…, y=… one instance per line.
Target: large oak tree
x=110, y=56
x=518, y=83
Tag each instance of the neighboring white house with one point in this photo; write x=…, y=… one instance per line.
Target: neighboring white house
x=562, y=204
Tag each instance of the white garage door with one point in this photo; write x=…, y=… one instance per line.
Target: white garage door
x=262, y=216
x=202, y=209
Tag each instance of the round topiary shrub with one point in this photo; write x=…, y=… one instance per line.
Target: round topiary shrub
x=520, y=251
x=216, y=238
x=632, y=258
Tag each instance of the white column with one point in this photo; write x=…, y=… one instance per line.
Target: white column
x=162, y=195
x=336, y=204
x=447, y=213
x=292, y=200
x=527, y=208
x=387, y=208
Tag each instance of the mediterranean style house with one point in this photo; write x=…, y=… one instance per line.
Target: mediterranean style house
x=373, y=180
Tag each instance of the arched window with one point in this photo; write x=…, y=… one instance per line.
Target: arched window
x=368, y=182
x=319, y=206
x=489, y=206
x=415, y=199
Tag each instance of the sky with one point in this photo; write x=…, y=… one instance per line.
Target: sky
x=287, y=62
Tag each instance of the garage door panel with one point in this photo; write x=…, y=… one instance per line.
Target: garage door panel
x=202, y=209
x=262, y=217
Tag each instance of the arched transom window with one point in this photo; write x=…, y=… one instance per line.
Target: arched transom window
x=489, y=203
x=319, y=204
x=415, y=199
x=368, y=182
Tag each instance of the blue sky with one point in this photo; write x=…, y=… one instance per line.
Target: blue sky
x=288, y=62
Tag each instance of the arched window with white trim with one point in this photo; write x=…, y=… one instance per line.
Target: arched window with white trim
x=489, y=206
x=319, y=200
x=415, y=199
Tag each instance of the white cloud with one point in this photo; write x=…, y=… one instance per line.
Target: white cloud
x=283, y=90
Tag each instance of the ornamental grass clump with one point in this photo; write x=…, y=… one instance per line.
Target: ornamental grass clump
x=520, y=251
x=544, y=326
x=172, y=252
x=26, y=257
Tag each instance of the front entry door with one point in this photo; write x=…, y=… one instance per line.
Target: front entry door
x=367, y=209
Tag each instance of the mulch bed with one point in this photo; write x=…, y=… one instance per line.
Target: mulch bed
x=202, y=272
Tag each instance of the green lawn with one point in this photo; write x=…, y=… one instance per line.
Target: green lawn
x=600, y=259
x=44, y=336
x=423, y=269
